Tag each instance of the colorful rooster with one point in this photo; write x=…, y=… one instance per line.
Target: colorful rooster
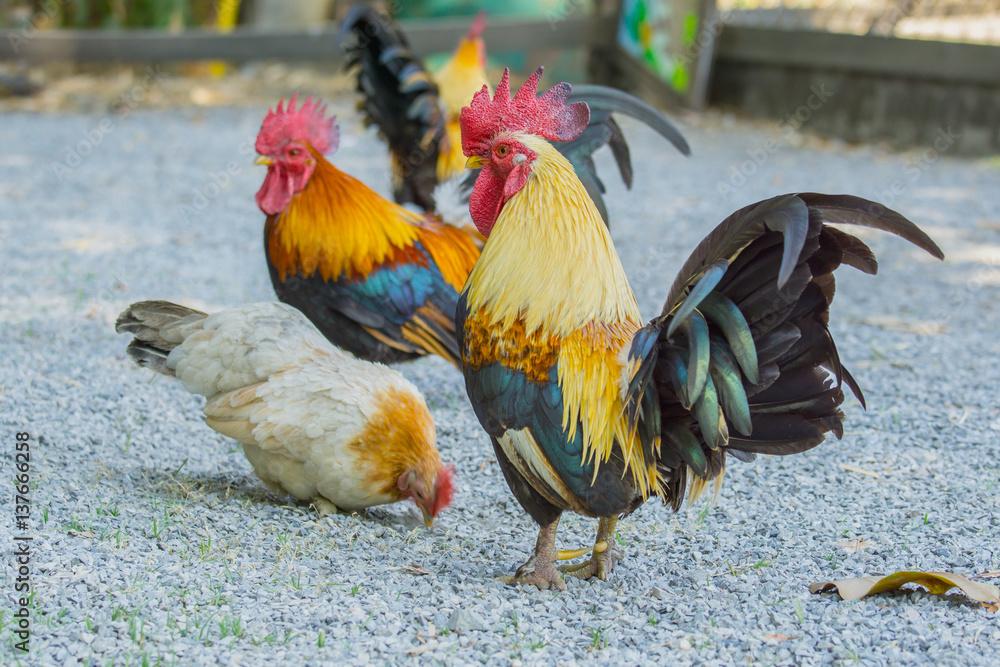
x=375, y=278
x=315, y=422
x=419, y=116
x=591, y=412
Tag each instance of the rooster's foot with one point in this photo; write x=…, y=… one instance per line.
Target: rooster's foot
x=535, y=572
x=540, y=570
x=605, y=556
x=599, y=565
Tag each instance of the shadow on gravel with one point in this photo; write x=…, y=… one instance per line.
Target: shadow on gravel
x=213, y=491
x=208, y=490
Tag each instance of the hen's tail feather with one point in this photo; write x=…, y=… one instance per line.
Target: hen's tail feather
x=777, y=259
x=399, y=97
x=158, y=327
x=147, y=356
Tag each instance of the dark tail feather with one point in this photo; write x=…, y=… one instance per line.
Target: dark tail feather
x=851, y=210
x=147, y=356
x=400, y=98
x=612, y=100
x=603, y=130
x=778, y=260
x=155, y=325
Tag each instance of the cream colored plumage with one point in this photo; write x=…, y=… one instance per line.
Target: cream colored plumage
x=315, y=422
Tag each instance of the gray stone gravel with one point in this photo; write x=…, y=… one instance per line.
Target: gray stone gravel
x=156, y=544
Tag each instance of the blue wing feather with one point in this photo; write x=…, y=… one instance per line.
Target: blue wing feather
x=385, y=300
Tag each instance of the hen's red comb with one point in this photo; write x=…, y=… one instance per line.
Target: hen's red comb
x=444, y=488
x=308, y=124
x=547, y=116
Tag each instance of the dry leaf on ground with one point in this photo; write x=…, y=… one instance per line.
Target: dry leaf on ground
x=860, y=471
x=937, y=583
x=417, y=650
x=855, y=545
x=82, y=533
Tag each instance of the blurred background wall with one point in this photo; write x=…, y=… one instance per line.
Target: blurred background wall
x=894, y=71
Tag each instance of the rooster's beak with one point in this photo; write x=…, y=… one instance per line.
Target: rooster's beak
x=428, y=519
x=263, y=160
x=474, y=162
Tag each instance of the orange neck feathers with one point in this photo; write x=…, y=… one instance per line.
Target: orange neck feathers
x=339, y=227
x=399, y=441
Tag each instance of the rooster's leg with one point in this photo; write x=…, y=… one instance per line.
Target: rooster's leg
x=604, y=557
x=540, y=570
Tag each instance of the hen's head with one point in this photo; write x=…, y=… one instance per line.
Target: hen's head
x=495, y=134
x=430, y=494
x=399, y=443
x=287, y=142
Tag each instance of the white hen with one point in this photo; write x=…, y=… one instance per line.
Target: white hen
x=315, y=422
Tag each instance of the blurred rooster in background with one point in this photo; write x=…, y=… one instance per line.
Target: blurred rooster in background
x=591, y=412
x=458, y=80
x=418, y=114
x=315, y=422
x=376, y=279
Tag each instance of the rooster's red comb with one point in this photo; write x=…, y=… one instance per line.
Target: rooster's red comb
x=547, y=116
x=478, y=26
x=307, y=123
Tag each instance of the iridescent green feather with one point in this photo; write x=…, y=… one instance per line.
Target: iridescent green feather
x=724, y=313
x=726, y=375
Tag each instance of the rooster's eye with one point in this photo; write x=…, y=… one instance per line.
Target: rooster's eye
x=294, y=152
x=502, y=151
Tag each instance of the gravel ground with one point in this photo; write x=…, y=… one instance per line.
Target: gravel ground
x=154, y=542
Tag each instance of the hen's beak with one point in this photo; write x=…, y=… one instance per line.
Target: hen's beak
x=474, y=162
x=263, y=160
x=428, y=519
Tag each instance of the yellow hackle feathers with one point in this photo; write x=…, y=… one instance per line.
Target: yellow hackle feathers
x=516, y=277
x=588, y=376
x=460, y=78
x=453, y=250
